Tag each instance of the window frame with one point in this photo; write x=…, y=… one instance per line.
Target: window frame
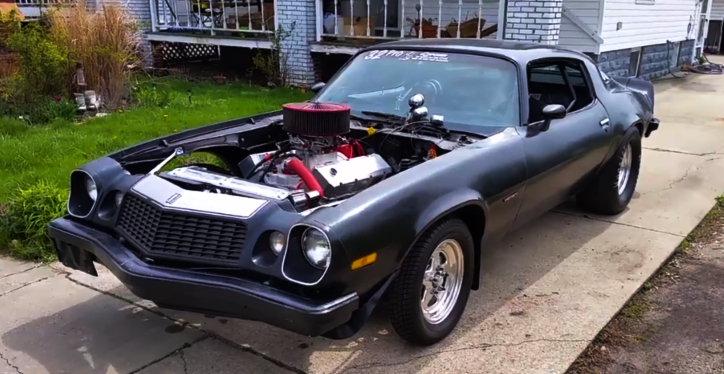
x=561, y=63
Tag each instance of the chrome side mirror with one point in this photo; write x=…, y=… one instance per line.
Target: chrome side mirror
x=317, y=87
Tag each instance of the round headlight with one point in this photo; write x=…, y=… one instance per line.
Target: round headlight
x=90, y=187
x=316, y=248
x=118, y=199
x=276, y=242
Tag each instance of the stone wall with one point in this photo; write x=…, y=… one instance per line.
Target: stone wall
x=686, y=53
x=615, y=63
x=655, y=61
x=534, y=21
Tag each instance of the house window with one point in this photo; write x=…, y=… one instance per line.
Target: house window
x=645, y=2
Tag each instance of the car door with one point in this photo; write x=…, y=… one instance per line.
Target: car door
x=561, y=159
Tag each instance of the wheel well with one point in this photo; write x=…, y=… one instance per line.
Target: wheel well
x=474, y=218
x=640, y=127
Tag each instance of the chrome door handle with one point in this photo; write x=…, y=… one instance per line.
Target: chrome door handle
x=604, y=122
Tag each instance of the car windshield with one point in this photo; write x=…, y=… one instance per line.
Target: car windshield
x=467, y=90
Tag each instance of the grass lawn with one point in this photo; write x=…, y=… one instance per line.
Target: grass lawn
x=32, y=154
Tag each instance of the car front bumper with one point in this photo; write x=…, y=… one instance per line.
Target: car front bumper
x=79, y=245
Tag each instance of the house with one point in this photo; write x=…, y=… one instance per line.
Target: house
x=716, y=27
x=626, y=37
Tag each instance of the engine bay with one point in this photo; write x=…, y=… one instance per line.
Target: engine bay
x=316, y=154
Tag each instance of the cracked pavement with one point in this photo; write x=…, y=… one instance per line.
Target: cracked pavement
x=547, y=289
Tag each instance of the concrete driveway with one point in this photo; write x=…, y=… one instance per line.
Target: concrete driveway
x=547, y=289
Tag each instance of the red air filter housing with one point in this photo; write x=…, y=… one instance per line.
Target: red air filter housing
x=316, y=119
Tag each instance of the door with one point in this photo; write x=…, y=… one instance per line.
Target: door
x=562, y=159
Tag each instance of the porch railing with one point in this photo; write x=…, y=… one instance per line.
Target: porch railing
x=40, y=3
x=394, y=19
x=222, y=17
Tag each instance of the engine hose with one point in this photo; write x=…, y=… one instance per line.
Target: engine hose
x=298, y=167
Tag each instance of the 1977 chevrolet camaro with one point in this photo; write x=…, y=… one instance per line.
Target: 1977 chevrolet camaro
x=390, y=183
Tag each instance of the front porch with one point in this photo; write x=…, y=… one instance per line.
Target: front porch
x=338, y=26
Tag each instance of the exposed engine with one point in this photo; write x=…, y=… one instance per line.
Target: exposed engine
x=317, y=156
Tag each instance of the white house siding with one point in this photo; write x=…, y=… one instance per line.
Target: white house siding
x=717, y=10
x=571, y=36
x=643, y=25
x=470, y=8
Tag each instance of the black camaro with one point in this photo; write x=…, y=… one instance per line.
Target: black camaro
x=412, y=160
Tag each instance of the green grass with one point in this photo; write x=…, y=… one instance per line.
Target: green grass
x=30, y=154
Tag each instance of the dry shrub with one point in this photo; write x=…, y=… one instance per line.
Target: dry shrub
x=8, y=65
x=107, y=44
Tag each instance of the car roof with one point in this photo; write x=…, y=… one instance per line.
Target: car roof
x=521, y=52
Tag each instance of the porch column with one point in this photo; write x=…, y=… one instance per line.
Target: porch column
x=534, y=20
x=296, y=48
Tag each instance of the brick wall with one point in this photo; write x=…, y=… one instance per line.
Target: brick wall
x=295, y=48
x=534, y=21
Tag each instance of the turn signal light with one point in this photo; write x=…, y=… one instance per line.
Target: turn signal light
x=364, y=261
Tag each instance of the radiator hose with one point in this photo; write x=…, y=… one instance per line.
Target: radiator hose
x=298, y=168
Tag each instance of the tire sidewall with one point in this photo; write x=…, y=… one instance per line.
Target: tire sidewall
x=633, y=138
x=458, y=232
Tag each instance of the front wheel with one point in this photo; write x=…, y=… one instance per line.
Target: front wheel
x=432, y=289
x=614, y=186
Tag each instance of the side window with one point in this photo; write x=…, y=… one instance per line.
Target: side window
x=562, y=81
x=580, y=84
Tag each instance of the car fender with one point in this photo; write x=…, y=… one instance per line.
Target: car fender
x=389, y=217
x=445, y=205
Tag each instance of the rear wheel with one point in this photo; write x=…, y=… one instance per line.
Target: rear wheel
x=614, y=186
x=430, y=293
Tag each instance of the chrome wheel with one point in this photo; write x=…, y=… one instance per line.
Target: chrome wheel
x=442, y=281
x=624, y=168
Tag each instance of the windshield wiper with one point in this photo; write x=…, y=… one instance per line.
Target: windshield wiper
x=380, y=115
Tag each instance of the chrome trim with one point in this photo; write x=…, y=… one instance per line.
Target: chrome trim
x=286, y=249
x=163, y=193
x=239, y=185
x=328, y=307
x=98, y=197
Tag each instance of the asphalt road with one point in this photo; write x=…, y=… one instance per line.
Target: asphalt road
x=547, y=291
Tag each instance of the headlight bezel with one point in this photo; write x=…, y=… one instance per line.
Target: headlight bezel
x=296, y=268
x=80, y=202
x=303, y=244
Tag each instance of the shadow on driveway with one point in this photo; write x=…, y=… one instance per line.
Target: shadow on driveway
x=104, y=332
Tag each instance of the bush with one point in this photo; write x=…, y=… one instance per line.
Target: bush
x=151, y=97
x=24, y=221
x=44, y=67
x=40, y=112
x=107, y=44
x=9, y=25
x=11, y=127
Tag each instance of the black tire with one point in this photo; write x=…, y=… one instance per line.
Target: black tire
x=602, y=195
x=405, y=294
